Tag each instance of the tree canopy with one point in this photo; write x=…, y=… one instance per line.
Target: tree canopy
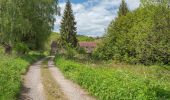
x=27, y=22
x=68, y=28
x=123, y=9
x=142, y=36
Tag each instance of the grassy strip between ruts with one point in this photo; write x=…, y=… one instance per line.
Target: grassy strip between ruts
x=114, y=84
x=52, y=90
x=11, y=70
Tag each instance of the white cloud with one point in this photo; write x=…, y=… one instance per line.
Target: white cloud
x=94, y=16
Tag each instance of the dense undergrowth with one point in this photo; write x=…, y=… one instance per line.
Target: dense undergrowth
x=11, y=69
x=117, y=83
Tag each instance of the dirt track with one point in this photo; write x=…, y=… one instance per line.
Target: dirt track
x=71, y=90
x=33, y=87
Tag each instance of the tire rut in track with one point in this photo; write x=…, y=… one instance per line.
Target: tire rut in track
x=32, y=88
x=71, y=90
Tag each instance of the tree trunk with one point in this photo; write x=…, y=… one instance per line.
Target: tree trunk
x=8, y=49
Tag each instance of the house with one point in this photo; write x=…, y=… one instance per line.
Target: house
x=88, y=46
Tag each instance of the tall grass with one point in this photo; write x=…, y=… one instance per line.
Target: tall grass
x=115, y=84
x=11, y=69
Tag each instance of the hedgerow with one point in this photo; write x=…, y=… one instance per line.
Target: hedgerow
x=114, y=84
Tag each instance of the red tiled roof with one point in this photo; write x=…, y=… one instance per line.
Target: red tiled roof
x=87, y=44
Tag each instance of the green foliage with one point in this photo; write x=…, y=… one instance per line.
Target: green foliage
x=155, y=2
x=82, y=38
x=70, y=52
x=53, y=37
x=68, y=29
x=21, y=48
x=1, y=49
x=123, y=9
x=29, y=22
x=114, y=84
x=11, y=69
x=81, y=50
x=142, y=36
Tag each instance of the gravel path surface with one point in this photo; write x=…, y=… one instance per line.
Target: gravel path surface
x=70, y=90
x=32, y=86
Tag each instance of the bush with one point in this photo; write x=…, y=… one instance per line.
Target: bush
x=21, y=48
x=70, y=52
x=111, y=84
x=81, y=50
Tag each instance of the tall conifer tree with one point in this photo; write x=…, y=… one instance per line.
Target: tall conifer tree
x=123, y=9
x=68, y=26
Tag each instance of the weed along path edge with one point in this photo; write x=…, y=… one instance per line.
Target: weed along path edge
x=70, y=90
x=32, y=86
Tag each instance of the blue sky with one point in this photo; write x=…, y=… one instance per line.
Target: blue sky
x=78, y=1
x=93, y=16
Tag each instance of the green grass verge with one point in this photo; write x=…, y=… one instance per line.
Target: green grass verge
x=114, y=84
x=11, y=70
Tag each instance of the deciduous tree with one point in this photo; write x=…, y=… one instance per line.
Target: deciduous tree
x=29, y=22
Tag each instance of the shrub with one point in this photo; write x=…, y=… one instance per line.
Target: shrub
x=81, y=50
x=21, y=48
x=70, y=52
